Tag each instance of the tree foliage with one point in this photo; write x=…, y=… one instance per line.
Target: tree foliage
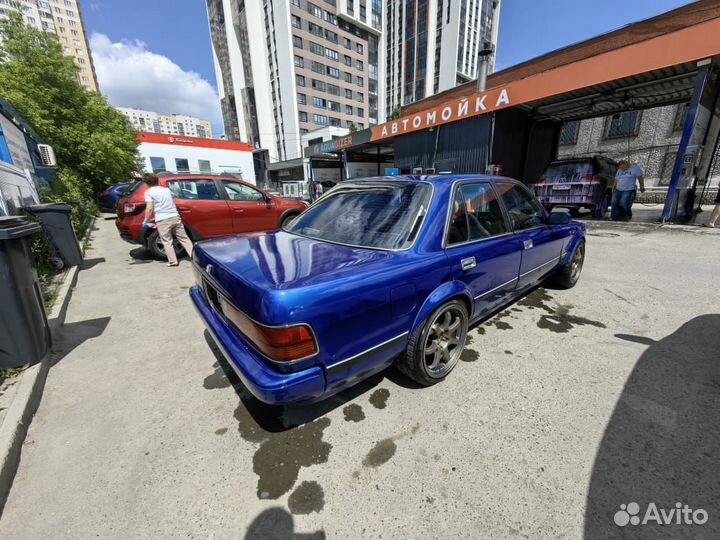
x=94, y=143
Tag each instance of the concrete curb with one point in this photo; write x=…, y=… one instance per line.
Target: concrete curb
x=30, y=388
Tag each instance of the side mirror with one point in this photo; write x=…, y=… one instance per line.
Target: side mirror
x=559, y=218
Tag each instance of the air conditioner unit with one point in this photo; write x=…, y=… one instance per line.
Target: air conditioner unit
x=417, y=170
x=47, y=155
x=430, y=170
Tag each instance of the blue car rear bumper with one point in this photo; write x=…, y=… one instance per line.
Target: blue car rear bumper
x=262, y=381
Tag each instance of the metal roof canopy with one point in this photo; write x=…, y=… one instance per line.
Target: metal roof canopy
x=652, y=89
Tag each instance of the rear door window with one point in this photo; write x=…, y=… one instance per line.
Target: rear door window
x=240, y=192
x=522, y=207
x=195, y=189
x=476, y=214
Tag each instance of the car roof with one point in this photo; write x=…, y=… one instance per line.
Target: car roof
x=435, y=178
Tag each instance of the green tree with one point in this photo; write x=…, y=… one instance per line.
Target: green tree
x=93, y=142
x=395, y=114
x=353, y=128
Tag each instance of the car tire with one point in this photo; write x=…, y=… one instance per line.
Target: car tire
x=568, y=275
x=158, y=250
x=286, y=220
x=430, y=355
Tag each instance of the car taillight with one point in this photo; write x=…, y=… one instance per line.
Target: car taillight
x=279, y=343
x=133, y=207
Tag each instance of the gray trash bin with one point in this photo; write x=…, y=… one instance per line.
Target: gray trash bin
x=24, y=330
x=56, y=222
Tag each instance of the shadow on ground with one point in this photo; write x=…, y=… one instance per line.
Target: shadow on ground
x=72, y=335
x=87, y=264
x=662, y=443
x=278, y=524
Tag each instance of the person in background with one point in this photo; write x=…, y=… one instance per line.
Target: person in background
x=319, y=189
x=624, y=186
x=715, y=216
x=159, y=200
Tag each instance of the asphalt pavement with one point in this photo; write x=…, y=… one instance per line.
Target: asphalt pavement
x=566, y=406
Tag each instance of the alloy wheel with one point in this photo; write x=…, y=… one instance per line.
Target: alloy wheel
x=444, y=341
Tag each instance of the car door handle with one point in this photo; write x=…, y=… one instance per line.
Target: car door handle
x=467, y=264
x=182, y=209
x=238, y=210
x=528, y=244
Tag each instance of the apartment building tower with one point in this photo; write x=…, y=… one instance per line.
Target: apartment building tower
x=287, y=67
x=168, y=124
x=63, y=18
x=433, y=45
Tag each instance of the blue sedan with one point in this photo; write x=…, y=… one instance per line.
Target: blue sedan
x=378, y=271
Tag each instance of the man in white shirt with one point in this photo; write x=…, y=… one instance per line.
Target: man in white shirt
x=159, y=200
x=624, y=186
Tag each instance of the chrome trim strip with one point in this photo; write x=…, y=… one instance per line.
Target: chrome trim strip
x=491, y=291
x=553, y=261
x=337, y=365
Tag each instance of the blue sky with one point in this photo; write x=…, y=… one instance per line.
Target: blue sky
x=157, y=54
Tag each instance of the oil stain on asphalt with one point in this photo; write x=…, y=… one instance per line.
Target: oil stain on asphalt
x=308, y=497
x=381, y=453
x=558, y=319
x=354, y=413
x=283, y=450
x=217, y=380
x=469, y=355
x=379, y=398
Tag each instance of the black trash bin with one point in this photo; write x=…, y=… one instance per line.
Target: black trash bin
x=24, y=330
x=55, y=218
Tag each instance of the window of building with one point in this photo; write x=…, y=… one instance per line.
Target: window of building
x=360, y=81
x=359, y=65
x=315, y=30
x=302, y=99
x=680, y=114
x=319, y=102
x=476, y=214
x=317, y=49
x=361, y=112
x=348, y=109
x=300, y=80
x=296, y=21
x=333, y=89
x=347, y=43
x=666, y=169
x=359, y=48
x=157, y=164
x=335, y=122
x=360, y=125
x=204, y=165
x=299, y=61
x=297, y=42
x=295, y=2
x=182, y=165
x=314, y=10
x=347, y=60
x=331, y=36
x=318, y=85
x=302, y=116
x=348, y=77
x=348, y=93
x=333, y=72
x=569, y=132
x=329, y=17
x=524, y=210
x=359, y=96
x=304, y=131
x=625, y=124
x=333, y=106
x=317, y=67
x=363, y=13
x=321, y=119
x=331, y=54
x=75, y=33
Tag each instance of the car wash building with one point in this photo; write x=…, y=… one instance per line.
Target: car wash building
x=515, y=123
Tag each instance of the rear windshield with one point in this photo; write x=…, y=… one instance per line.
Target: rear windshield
x=378, y=214
x=565, y=172
x=134, y=188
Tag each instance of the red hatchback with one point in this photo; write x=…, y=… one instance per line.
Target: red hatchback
x=209, y=206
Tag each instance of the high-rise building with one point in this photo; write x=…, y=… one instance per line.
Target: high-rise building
x=287, y=67
x=169, y=124
x=433, y=45
x=63, y=18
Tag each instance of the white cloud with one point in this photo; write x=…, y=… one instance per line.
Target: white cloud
x=131, y=76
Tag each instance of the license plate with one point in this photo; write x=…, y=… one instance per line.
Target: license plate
x=561, y=188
